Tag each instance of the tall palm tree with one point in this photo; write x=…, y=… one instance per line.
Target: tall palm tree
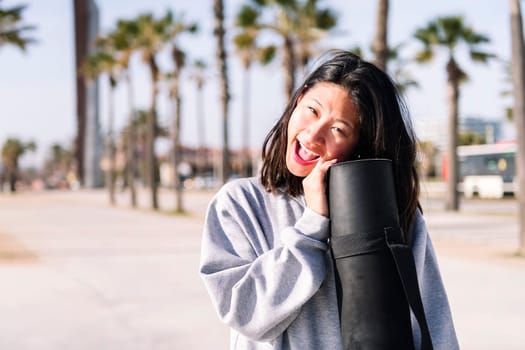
x=219, y=32
x=311, y=25
x=518, y=69
x=299, y=24
x=380, y=43
x=150, y=40
x=103, y=62
x=12, y=150
x=198, y=75
x=174, y=29
x=447, y=33
x=12, y=32
x=248, y=51
x=125, y=43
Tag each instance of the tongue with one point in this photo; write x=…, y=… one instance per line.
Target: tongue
x=308, y=156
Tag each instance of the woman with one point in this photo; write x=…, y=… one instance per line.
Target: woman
x=265, y=258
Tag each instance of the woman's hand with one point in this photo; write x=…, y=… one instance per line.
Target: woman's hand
x=314, y=186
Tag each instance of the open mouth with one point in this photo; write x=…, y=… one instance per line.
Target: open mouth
x=303, y=155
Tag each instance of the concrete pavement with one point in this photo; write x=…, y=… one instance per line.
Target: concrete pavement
x=105, y=278
x=76, y=273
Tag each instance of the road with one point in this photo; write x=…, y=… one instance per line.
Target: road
x=78, y=274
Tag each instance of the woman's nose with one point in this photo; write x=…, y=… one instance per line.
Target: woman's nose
x=315, y=133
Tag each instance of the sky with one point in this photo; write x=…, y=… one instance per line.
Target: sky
x=37, y=87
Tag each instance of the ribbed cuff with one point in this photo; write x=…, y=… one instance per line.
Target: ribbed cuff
x=313, y=225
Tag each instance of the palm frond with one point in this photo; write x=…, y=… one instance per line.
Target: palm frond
x=424, y=56
x=480, y=56
x=12, y=32
x=266, y=54
x=247, y=16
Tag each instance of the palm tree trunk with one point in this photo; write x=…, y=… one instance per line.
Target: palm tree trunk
x=452, y=202
x=12, y=177
x=219, y=32
x=246, y=116
x=151, y=135
x=380, y=44
x=131, y=156
x=289, y=67
x=201, y=130
x=110, y=173
x=179, y=202
x=518, y=74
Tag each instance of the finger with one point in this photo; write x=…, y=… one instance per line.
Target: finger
x=324, y=165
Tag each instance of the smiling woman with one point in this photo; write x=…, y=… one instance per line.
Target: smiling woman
x=265, y=259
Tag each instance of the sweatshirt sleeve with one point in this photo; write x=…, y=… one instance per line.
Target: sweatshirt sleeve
x=260, y=292
x=434, y=297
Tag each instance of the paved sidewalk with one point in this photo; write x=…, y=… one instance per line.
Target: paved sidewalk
x=105, y=278
x=77, y=274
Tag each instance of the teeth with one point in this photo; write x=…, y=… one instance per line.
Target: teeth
x=308, y=151
x=307, y=154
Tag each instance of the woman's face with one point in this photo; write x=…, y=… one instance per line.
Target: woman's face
x=324, y=124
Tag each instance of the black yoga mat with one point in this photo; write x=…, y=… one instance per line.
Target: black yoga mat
x=375, y=292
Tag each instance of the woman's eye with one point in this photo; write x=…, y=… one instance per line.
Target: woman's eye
x=313, y=110
x=339, y=130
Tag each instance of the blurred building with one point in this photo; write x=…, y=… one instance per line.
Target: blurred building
x=490, y=129
x=89, y=143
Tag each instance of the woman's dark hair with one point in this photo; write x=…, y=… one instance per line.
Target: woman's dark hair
x=385, y=129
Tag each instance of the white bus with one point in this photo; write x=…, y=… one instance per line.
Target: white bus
x=488, y=171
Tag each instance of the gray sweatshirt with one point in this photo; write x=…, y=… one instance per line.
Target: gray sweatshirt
x=266, y=265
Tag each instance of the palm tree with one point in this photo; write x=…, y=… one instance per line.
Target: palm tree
x=60, y=158
x=198, y=76
x=175, y=28
x=12, y=32
x=448, y=33
x=518, y=69
x=12, y=150
x=103, y=62
x=59, y=165
x=249, y=52
x=125, y=44
x=250, y=17
x=219, y=32
x=151, y=39
x=140, y=129
x=380, y=43
x=299, y=24
x=311, y=24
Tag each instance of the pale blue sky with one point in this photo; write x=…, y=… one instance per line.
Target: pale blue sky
x=37, y=87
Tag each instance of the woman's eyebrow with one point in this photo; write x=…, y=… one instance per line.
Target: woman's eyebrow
x=318, y=102
x=344, y=121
